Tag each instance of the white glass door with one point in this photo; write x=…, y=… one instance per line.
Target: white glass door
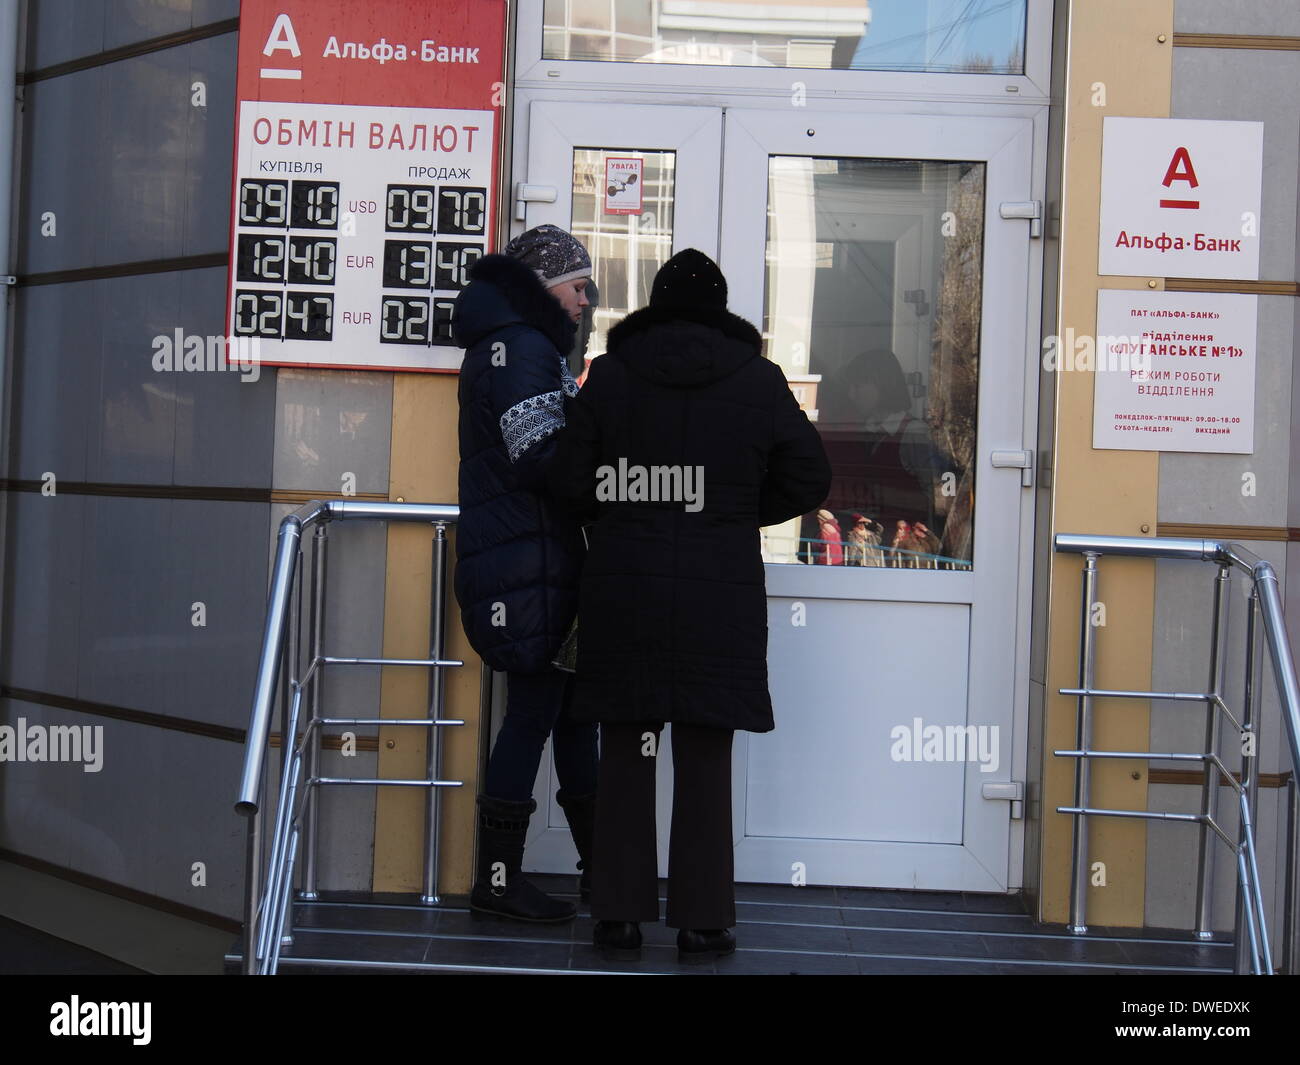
x=871, y=250
x=634, y=184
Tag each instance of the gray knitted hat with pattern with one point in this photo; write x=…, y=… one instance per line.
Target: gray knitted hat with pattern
x=554, y=254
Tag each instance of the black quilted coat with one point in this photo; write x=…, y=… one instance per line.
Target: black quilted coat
x=673, y=612
x=518, y=554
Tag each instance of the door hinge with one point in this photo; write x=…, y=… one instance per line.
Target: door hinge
x=1012, y=791
x=1016, y=460
x=1031, y=209
x=526, y=194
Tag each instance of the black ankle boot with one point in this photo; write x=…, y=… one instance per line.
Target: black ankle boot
x=617, y=935
x=580, y=811
x=499, y=886
x=704, y=944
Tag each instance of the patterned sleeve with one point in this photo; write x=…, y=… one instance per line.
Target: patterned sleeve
x=528, y=393
x=535, y=418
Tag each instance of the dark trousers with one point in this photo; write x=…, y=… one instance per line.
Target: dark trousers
x=536, y=705
x=701, y=872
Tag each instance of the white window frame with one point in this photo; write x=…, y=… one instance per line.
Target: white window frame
x=1032, y=86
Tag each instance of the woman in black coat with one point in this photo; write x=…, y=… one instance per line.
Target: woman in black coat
x=683, y=442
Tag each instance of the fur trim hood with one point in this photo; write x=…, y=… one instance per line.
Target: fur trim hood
x=503, y=291
x=684, y=347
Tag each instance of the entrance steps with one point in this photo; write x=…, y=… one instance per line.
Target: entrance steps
x=780, y=930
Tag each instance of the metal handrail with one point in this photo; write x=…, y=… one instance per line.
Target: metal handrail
x=1250, y=929
x=266, y=894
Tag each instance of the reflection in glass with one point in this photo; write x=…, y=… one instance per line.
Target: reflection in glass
x=942, y=36
x=627, y=244
x=872, y=309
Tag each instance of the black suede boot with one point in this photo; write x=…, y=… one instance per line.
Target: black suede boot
x=499, y=886
x=580, y=811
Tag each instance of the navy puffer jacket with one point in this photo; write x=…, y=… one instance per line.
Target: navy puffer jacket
x=518, y=555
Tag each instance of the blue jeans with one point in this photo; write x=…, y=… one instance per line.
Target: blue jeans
x=536, y=707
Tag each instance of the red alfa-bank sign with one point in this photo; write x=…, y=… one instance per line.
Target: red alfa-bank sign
x=365, y=177
x=1180, y=198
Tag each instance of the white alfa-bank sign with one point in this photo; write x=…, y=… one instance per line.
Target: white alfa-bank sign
x=1180, y=198
x=1175, y=371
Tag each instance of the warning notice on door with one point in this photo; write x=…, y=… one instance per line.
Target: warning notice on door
x=1180, y=198
x=623, y=185
x=1175, y=371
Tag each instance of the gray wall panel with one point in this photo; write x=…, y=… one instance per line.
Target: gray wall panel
x=1274, y=17
x=130, y=167
x=36, y=799
x=64, y=29
x=128, y=21
x=146, y=117
x=161, y=801
x=1257, y=86
x=210, y=157
x=1208, y=488
x=44, y=545
x=147, y=561
x=132, y=435
x=224, y=420
x=70, y=29
x=64, y=156
x=56, y=360
x=93, y=407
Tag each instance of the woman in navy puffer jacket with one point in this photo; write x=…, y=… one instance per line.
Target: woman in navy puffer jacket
x=518, y=555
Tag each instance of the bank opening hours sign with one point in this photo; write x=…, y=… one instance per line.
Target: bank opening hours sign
x=355, y=224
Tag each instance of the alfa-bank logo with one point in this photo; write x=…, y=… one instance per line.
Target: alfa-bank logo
x=283, y=38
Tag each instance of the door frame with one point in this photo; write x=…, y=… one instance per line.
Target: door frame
x=949, y=103
x=1005, y=145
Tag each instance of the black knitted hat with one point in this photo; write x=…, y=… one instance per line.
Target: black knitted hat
x=689, y=279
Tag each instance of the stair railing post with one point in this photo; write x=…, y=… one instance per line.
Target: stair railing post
x=1083, y=740
x=1207, y=846
x=319, y=556
x=1244, y=925
x=437, y=635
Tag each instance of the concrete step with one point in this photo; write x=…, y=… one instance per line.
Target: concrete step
x=780, y=929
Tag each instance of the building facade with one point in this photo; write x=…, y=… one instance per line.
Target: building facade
x=906, y=199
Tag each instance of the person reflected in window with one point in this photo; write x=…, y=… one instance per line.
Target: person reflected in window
x=829, y=549
x=862, y=545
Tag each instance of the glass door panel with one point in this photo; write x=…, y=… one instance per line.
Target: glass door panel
x=628, y=238
x=872, y=293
